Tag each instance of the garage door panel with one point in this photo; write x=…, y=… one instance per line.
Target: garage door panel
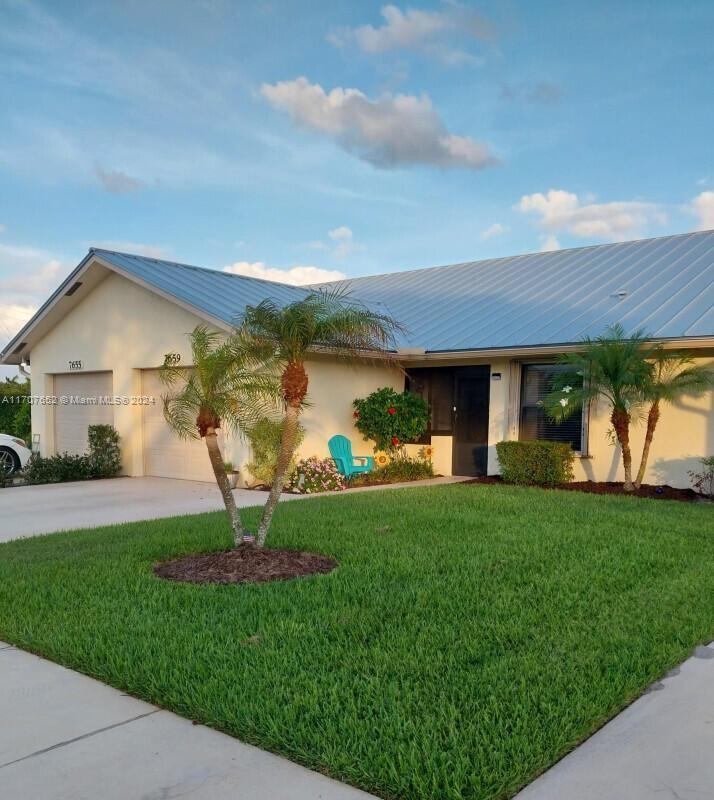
x=85, y=392
x=165, y=454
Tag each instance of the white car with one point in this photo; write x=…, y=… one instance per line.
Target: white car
x=13, y=454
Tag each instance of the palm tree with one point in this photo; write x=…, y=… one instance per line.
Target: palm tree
x=671, y=376
x=227, y=388
x=614, y=367
x=322, y=321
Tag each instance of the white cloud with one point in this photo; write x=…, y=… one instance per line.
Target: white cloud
x=12, y=318
x=559, y=210
x=549, y=243
x=30, y=275
x=136, y=248
x=2, y=229
x=402, y=29
x=393, y=130
x=429, y=32
x=31, y=271
x=340, y=245
x=344, y=241
x=117, y=182
x=340, y=234
x=703, y=207
x=298, y=275
x=494, y=230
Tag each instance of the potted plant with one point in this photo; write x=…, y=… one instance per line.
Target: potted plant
x=232, y=474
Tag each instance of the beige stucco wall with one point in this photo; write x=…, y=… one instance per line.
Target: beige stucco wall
x=121, y=327
x=333, y=385
x=684, y=434
x=125, y=328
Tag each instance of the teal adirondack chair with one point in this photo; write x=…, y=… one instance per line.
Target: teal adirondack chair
x=341, y=452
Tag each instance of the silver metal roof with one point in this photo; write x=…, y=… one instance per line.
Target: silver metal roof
x=663, y=285
x=221, y=295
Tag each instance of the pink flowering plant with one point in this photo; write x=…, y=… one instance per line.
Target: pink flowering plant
x=313, y=475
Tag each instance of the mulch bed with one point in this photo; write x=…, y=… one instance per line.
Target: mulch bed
x=647, y=490
x=245, y=565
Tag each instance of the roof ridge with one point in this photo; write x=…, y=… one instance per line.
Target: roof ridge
x=309, y=286
x=519, y=256
x=214, y=270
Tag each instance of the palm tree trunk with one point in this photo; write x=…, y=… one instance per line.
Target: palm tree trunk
x=652, y=420
x=291, y=422
x=621, y=423
x=219, y=470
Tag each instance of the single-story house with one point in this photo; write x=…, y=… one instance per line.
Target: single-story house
x=482, y=338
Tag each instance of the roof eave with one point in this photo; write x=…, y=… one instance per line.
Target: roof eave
x=7, y=355
x=515, y=351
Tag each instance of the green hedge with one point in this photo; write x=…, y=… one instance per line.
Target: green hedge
x=104, y=451
x=102, y=461
x=539, y=463
x=58, y=468
x=15, y=408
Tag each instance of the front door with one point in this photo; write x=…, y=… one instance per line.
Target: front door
x=470, y=443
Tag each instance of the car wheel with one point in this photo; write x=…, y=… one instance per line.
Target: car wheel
x=9, y=462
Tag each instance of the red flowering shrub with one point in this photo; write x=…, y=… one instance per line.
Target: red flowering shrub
x=391, y=419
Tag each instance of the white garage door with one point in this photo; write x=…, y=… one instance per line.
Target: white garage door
x=84, y=391
x=165, y=454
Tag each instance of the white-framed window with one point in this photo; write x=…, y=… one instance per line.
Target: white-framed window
x=534, y=423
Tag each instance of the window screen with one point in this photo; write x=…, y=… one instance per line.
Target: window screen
x=536, y=383
x=436, y=386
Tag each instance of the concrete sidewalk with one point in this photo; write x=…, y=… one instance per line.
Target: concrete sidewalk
x=659, y=748
x=65, y=736
x=68, y=737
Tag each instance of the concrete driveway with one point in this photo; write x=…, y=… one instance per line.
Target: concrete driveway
x=28, y=510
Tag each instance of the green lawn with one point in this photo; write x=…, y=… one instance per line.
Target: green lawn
x=470, y=637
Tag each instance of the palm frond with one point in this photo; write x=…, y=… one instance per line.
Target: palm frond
x=226, y=377
x=614, y=365
x=674, y=374
x=327, y=320
x=180, y=414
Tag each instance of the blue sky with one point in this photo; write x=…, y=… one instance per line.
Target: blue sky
x=287, y=138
